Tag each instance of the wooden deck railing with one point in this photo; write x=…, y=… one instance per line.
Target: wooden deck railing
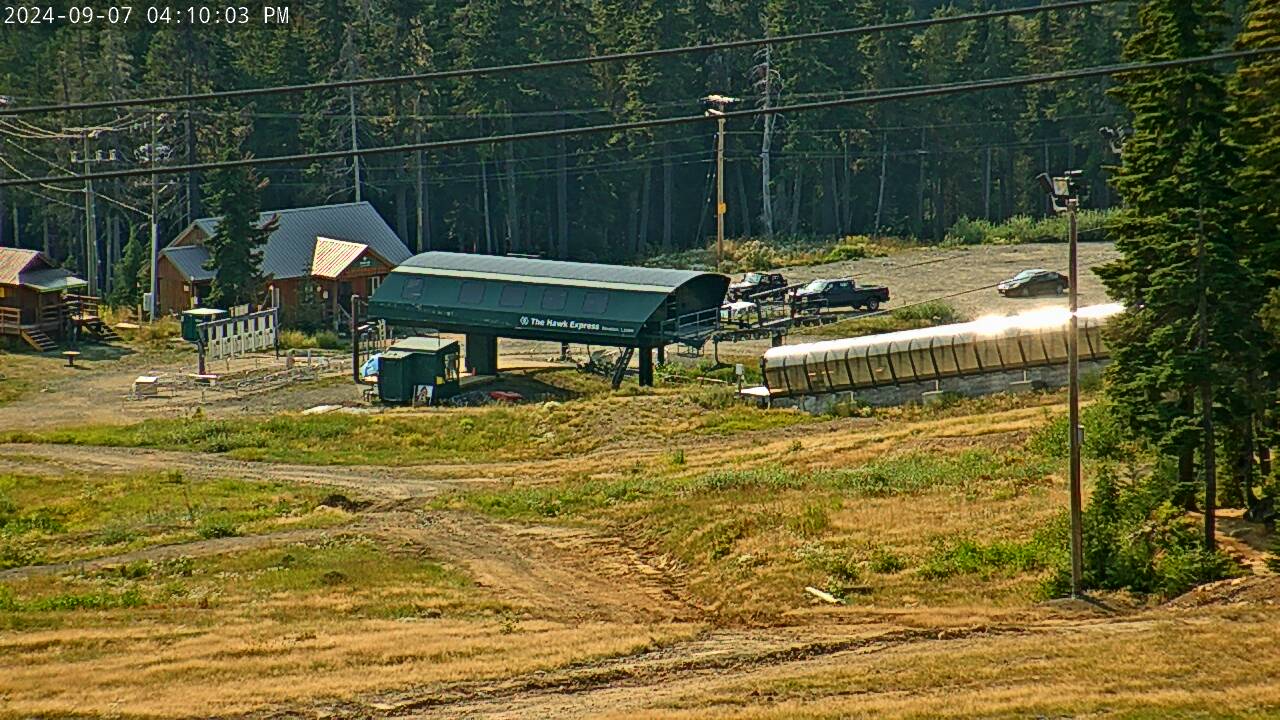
x=10, y=321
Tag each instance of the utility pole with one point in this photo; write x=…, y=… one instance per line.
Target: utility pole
x=766, y=95
x=90, y=221
x=424, y=242
x=155, y=228
x=355, y=144
x=721, y=102
x=1073, y=396
x=1062, y=194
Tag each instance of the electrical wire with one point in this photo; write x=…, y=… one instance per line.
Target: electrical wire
x=563, y=63
x=886, y=96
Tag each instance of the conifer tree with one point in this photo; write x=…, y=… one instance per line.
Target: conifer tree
x=1181, y=337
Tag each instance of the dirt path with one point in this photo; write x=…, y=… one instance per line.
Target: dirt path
x=383, y=482
x=719, y=658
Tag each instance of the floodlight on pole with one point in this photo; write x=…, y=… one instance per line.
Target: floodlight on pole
x=720, y=103
x=1064, y=194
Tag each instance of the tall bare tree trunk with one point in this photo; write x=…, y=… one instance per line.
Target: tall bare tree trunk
x=484, y=192
x=562, y=194
x=796, y=187
x=642, y=239
x=667, y=182
x=743, y=207
x=513, y=200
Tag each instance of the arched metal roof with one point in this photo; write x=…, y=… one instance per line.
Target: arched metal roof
x=549, y=272
x=549, y=299
x=989, y=344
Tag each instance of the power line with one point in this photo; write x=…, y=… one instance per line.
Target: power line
x=555, y=64
x=882, y=97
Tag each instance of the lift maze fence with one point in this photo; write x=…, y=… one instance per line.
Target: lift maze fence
x=241, y=335
x=984, y=356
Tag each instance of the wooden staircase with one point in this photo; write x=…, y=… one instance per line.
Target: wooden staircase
x=37, y=339
x=83, y=310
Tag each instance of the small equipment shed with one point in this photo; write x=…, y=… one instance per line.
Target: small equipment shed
x=409, y=367
x=486, y=297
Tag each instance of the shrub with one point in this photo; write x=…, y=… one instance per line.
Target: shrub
x=1104, y=436
x=885, y=562
x=1135, y=539
x=1093, y=225
x=299, y=340
x=216, y=527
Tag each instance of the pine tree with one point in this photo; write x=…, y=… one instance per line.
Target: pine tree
x=235, y=250
x=1256, y=98
x=132, y=273
x=1180, y=272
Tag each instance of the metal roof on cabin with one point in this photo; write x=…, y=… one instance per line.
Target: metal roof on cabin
x=189, y=260
x=333, y=256
x=549, y=272
x=13, y=261
x=290, y=249
x=51, y=279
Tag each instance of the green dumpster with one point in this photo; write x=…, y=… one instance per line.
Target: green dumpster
x=420, y=369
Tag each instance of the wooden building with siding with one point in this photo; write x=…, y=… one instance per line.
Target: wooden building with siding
x=331, y=251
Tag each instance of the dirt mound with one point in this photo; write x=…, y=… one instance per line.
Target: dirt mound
x=1256, y=590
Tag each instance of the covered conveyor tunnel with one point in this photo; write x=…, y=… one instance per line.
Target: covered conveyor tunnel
x=485, y=297
x=987, y=345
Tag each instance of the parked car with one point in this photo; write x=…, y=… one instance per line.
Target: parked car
x=1033, y=282
x=838, y=293
x=756, y=283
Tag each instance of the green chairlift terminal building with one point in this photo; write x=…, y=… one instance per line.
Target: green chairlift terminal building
x=485, y=297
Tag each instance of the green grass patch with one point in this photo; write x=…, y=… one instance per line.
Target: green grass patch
x=328, y=439
x=60, y=518
x=1094, y=225
x=900, y=475
x=282, y=581
x=740, y=418
x=924, y=315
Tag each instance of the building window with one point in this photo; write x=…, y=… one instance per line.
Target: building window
x=595, y=303
x=374, y=282
x=512, y=296
x=554, y=298
x=413, y=288
x=471, y=293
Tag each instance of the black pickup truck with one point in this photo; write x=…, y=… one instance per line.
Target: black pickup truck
x=838, y=293
x=757, y=283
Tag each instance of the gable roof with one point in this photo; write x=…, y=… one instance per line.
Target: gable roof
x=34, y=269
x=189, y=260
x=14, y=261
x=549, y=272
x=332, y=257
x=290, y=250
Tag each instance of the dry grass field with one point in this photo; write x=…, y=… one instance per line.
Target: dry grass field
x=614, y=554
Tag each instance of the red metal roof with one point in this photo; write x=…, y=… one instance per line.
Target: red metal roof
x=13, y=261
x=333, y=256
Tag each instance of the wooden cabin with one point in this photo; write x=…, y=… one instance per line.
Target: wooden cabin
x=38, y=302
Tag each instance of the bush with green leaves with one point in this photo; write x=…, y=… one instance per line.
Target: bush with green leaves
x=1136, y=539
x=1093, y=225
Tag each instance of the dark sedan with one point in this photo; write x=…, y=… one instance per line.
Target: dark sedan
x=1034, y=282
